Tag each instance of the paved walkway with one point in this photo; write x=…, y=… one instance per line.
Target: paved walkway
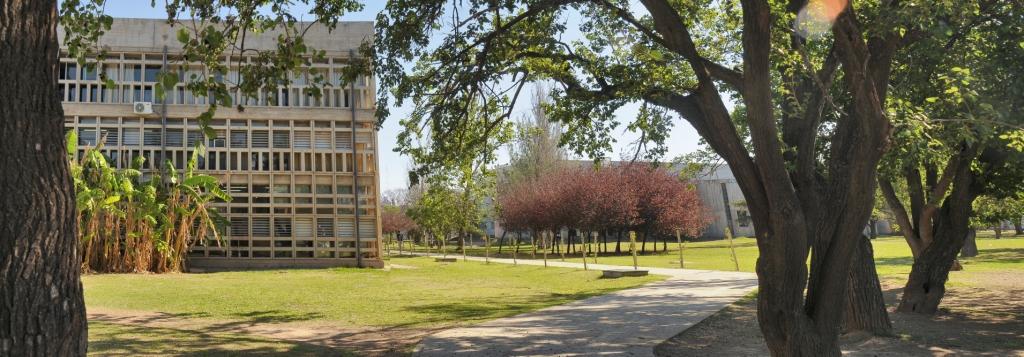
x=625, y=323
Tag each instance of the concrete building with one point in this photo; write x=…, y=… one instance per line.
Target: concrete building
x=302, y=171
x=724, y=201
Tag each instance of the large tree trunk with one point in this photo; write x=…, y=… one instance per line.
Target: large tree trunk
x=1018, y=229
x=43, y=312
x=865, y=305
x=970, y=248
x=927, y=283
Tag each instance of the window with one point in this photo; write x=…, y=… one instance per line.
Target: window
x=152, y=137
x=239, y=226
x=344, y=189
x=322, y=140
x=282, y=227
x=324, y=228
x=194, y=136
x=343, y=140
x=367, y=229
x=260, y=227
x=151, y=72
x=239, y=139
x=323, y=189
x=282, y=188
x=111, y=135
x=86, y=137
x=131, y=136
x=346, y=228
x=260, y=138
x=304, y=227
x=743, y=218
x=302, y=140
x=219, y=139
x=364, y=190
x=174, y=137
x=281, y=140
x=303, y=188
x=364, y=138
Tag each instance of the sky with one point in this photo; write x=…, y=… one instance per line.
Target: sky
x=394, y=167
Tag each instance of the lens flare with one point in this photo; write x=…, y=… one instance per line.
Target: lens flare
x=816, y=18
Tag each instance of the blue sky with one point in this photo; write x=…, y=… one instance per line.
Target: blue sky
x=393, y=166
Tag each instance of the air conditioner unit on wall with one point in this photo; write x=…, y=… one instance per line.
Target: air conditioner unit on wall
x=143, y=108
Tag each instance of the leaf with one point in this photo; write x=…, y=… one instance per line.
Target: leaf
x=183, y=35
x=201, y=181
x=72, y=142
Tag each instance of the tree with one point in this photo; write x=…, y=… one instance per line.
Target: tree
x=44, y=311
x=994, y=212
x=37, y=254
x=396, y=197
x=810, y=176
x=535, y=148
x=957, y=103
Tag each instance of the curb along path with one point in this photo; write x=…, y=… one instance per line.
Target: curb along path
x=625, y=323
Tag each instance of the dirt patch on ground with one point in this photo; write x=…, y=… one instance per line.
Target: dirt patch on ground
x=974, y=321
x=365, y=341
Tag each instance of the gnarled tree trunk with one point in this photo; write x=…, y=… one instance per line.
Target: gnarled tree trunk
x=865, y=305
x=42, y=311
x=927, y=283
x=970, y=248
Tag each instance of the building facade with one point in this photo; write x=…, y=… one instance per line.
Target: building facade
x=723, y=199
x=302, y=171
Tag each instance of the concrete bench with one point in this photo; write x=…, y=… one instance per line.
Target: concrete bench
x=446, y=260
x=618, y=273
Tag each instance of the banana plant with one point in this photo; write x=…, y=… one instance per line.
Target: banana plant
x=129, y=223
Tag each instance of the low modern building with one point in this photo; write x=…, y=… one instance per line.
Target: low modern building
x=302, y=170
x=723, y=199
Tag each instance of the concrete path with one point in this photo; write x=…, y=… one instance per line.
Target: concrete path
x=625, y=323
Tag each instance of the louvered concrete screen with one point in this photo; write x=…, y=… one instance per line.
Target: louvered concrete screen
x=287, y=159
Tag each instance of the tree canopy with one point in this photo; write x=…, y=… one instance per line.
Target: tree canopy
x=809, y=80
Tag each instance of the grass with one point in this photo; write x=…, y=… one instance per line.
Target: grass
x=892, y=255
x=107, y=339
x=426, y=294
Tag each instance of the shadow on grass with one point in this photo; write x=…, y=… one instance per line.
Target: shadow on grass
x=238, y=319
x=108, y=339
x=470, y=311
x=275, y=316
x=1001, y=255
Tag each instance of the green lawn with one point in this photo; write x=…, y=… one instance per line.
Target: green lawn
x=892, y=255
x=106, y=339
x=426, y=293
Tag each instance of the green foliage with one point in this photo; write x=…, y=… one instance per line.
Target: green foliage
x=131, y=223
x=990, y=211
x=501, y=47
x=958, y=91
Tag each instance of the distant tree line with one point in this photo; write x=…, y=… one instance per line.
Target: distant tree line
x=608, y=201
